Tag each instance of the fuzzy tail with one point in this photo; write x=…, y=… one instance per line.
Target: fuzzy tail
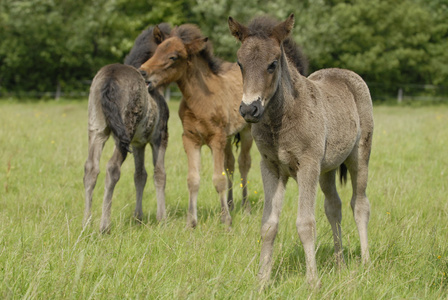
x=343, y=174
x=110, y=92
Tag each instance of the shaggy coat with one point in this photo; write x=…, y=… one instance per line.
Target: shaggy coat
x=211, y=90
x=145, y=45
x=119, y=103
x=305, y=128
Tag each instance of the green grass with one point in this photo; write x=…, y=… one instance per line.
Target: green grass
x=45, y=254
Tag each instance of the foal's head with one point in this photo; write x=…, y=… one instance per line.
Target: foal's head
x=145, y=45
x=169, y=62
x=260, y=60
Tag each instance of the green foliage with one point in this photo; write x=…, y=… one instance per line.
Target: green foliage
x=47, y=42
x=384, y=41
x=45, y=253
x=212, y=15
x=51, y=42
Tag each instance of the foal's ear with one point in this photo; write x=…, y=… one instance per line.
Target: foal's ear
x=196, y=46
x=238, y=30
x=158, y=34
x=282, y=30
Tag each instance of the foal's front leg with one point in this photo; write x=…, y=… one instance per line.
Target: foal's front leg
x=158, y=159
x=307, y=179
x=274, y=190
x=193, y=151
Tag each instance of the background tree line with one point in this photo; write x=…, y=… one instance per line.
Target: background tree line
x=49, y=43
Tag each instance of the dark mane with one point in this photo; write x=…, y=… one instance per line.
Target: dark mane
x=188, y=33
x=262, y=27
x=144, y=46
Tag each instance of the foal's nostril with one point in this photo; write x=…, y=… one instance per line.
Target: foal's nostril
x=241, y=110
x=251, y=112
x=255, y=111
x=149, y=84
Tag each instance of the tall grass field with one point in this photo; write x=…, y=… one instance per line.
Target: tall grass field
x=46, y=254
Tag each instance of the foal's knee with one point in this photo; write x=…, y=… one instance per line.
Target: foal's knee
x=306, y=228
x=220, y=182
x=193, y=182
x=91, y=168
x=159, y=176
x=244, y=162
x=141, y=175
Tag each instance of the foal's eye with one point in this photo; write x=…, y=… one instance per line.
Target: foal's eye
x=174, y=58
x=272, y=67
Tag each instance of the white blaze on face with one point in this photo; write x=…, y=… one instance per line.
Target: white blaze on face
x=248, y=98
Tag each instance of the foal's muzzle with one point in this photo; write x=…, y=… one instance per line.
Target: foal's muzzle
x=149, y=83
x=252, y=112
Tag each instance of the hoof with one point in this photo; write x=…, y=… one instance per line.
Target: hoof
x=138, y=216
x=340, y=261
x=105, y=229
x=264, y=282
x=226, y=219
x=161, y=217
x=314, y=283
x=192, y=223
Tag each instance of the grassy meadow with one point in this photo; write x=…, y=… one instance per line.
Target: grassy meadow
x=45, y=253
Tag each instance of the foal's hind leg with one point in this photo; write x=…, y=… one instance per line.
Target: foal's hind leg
x=158, y=159
x=140, y=177
x=229, y=165
x=193, y=151
x=92, y=169
x=244, y=163
x=220, y=181
x=333, y=211
x=357, y=164
x=112, y=177
x=307, y=179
